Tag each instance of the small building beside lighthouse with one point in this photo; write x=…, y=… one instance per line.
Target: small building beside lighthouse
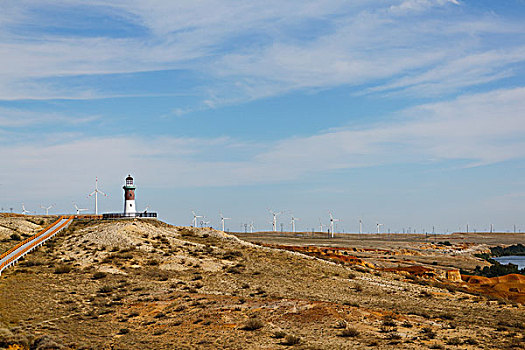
x=129, y=197
x=130, y=208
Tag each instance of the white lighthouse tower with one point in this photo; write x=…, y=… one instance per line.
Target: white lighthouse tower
x=129, y=197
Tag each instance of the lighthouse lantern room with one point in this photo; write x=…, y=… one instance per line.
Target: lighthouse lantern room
x=129, y=197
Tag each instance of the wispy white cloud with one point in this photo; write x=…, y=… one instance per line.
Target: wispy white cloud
x=14, y=118
x=477, y=129
x=418, y=5
x=260, y=49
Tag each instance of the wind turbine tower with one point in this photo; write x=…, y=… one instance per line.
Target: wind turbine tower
x=293, y=223
x=79, y=210
x=251, y=227
x=195, y=217
x=24, y=211
x=47, y=208
x=378, y=225
x=360, y=226
x=96, y=192
x=332, y=220
x=274, y=221
x=222, y=221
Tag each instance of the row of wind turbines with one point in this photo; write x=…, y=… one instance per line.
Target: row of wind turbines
x=46, y=209
x=78, y=210
x=331, y=227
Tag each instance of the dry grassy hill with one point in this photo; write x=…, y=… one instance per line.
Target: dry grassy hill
x=147, y=285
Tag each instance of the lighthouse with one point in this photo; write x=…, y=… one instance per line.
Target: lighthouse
x=129, y=197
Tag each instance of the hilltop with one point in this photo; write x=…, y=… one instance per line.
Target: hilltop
x=145, y=284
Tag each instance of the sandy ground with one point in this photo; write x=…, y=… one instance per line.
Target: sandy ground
x=147, y=285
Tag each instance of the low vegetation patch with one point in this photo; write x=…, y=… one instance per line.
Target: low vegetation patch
x=253, y=324
x=291, y=340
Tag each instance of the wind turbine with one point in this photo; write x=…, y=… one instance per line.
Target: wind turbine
x=360, y=226
x=195, y=217
x=320, y=225
x=293, y=223
x=204, y=223
x=96, y=192
x=222, y=220
x=47, y=208
x=332, y=220
x=251, y=227
x=146, y=209
x=79, y=210
x=378, y=225
x=274, y=222
x=24, y=211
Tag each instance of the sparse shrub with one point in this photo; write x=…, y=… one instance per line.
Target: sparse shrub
x=123, y=331
x=349, y=332
x=232, y=254
x=152, y=262
x=425, y=294
x=358, y=288
x=28, y=263
x=291, y=340
x=45, y=342
x=387, y=329
x=340, y=324
x=351, y=276
x=233, y=270
x=471, y=341
x=62, y=269
x=15, y=237
x=428, y=332
x=454, y=341
x=253, y=324
x=159, y=332
x=351, y=303
x=388, y=321
x=98, y=275
x=437, y=346
x=279, y=335
x=160, y=315
x=447, y=316
x=393, y=336
x=407, y=324
x=105, y=289
x=126, y=256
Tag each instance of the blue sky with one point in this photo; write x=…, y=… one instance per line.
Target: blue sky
x=410, y=113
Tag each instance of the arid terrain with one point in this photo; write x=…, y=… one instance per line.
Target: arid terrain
x=143, y=284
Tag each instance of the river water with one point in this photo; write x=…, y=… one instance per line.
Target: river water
x=513, y=259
